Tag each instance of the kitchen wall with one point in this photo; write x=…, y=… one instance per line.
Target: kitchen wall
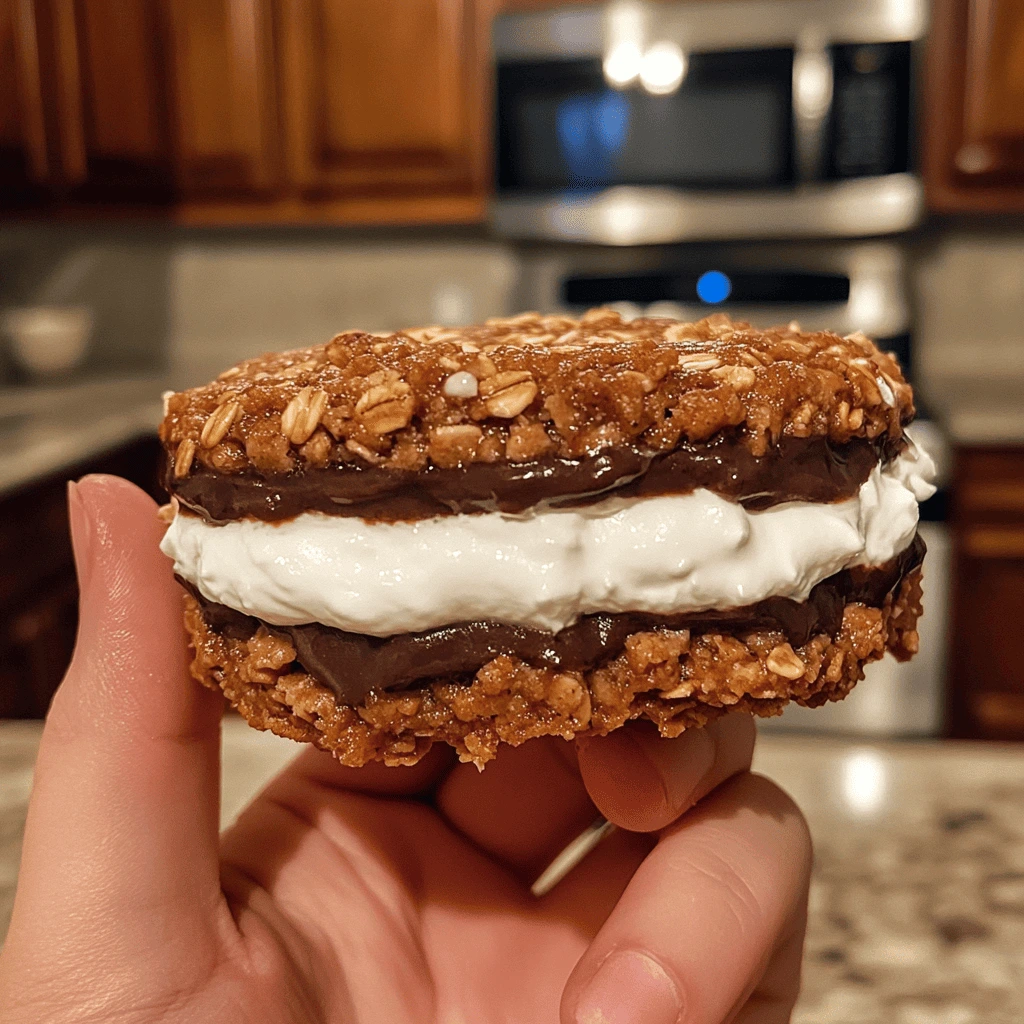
x=122, y=275
x=970, y=313
x=233, y=296
x=192, y=302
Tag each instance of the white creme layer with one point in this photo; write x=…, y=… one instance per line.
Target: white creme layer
x=664, y=554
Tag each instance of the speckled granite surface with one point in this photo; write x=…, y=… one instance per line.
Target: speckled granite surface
x=917, y=907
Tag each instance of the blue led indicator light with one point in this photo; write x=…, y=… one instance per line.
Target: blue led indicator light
x=713, y=286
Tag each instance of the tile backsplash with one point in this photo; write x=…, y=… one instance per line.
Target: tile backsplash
x=971, y=303
x=192, y=303
x=120, y=275
x=970, y=330
x=230, y=299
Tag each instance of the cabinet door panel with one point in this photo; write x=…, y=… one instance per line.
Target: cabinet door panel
x=988, y=646
x=111, y=98
x=381, y=95
x=993, y=138
x=987, y=643
x=24, y=161
x=972, y=142
x=402, y=94
x=222, y=66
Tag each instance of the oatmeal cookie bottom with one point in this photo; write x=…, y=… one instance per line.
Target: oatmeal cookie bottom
x=672, y=678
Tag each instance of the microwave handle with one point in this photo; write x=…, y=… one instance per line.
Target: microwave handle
x=813, y=82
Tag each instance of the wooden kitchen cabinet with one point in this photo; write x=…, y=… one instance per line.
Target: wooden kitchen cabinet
x=158, y=102
x=106, y=81
x=973, y=128
x=223, y=93
x=987, y=626
x=24, y=160
x=382, y=95
x=247, y=111
x=35, y=648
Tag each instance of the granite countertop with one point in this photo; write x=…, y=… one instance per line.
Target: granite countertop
x=44, y=430
x=917, y=904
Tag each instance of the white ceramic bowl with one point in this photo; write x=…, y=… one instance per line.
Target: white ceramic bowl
x=48, y=341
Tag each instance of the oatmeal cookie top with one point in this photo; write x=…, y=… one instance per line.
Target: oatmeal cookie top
x=525, y=387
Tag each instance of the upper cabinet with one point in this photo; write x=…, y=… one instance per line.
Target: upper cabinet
x=224, y=111
x=973, y=131
x=223, y=93
x=381, y=93
x=24, y=160
x=106, y=83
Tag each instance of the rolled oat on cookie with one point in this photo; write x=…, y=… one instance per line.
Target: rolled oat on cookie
x=543, y=526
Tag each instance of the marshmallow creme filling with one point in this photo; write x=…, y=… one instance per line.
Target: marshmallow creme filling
x=660, y=555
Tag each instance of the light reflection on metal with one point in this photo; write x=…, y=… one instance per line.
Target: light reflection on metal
x=663, y=68
x=813, y=82
x=650, y=215
x=870, y=297
x=625, y=40
x=627, y=310
x=622, y=64
x=703, y=27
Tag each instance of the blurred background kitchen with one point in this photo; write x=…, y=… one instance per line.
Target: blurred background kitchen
x=184, y=183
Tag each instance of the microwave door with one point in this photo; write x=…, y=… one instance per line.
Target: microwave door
x=726, y=124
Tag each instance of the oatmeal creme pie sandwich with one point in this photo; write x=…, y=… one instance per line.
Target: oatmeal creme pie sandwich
x=543, y=526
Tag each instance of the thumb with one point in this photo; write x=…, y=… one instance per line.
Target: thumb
x=123, y=817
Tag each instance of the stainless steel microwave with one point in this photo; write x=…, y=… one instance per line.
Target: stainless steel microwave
x=643, y=123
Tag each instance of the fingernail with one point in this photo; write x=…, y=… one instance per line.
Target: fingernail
x=629, y=988
x=81, y=535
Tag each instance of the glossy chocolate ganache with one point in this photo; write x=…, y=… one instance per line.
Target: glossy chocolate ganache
x=354, y=664
x=795, y=469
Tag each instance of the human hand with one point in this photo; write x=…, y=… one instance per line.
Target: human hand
x=375, y=894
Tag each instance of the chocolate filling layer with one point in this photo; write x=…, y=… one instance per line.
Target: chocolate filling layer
x=353, y=664
x=796, y=469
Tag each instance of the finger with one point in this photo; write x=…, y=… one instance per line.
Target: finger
x=124, y=809
x=524, y=807
x=642, y=781
x=420, y=779
x=590, y=892
x=775, y=995
x=696, y=928
x=531, y=801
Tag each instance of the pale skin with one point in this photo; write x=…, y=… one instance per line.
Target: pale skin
x=375, y=894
